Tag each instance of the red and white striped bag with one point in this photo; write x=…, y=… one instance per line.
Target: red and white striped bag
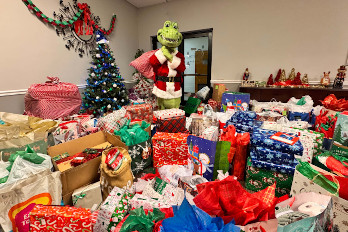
x=53, y=99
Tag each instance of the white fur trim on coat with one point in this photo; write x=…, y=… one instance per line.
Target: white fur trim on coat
x=161, y=58
x=169, y=94
x=172, y=72
x=175, y=62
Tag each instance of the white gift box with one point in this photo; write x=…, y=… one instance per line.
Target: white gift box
x=170, y=113
x=87, y=196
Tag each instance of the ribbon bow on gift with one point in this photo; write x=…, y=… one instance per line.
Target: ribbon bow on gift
x=53, y=80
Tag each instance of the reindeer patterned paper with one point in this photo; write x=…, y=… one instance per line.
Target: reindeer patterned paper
x=271, y=156
x=271, y=166
x=258, y=178
x=58, y=218
x=302, y=184
x=141, y=155
x=286, y=143
x=169, y=149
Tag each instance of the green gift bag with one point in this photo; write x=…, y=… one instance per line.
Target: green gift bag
x=221, y=157
x=192, y=105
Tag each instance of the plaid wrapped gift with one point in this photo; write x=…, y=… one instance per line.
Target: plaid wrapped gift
x=120, y=211
x=271, y=166
x=271, y=156
x=58, y=218
x=259, y=178
x=169, y=149
x=162, y=114
x=113, y=121
x=278, y=141
x=172, y=125
x=142, y=112
x=211, y=133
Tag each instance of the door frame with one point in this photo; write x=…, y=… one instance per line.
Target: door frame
x=188, y=35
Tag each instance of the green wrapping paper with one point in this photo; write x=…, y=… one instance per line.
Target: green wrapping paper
x=139, y=221
x=133, y=134
x=120, y=211
x=258, y=179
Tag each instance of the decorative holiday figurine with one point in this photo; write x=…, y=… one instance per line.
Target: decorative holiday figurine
x=246, y=75
x=292, y=75
x=338, y=83
x=305, y=79
x=277, y=79
x=168, y=65
x=325, y=80
x=297, y=80
x=270, y=80
x=282, y=76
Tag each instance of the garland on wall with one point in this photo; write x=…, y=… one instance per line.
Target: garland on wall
x=74, y=21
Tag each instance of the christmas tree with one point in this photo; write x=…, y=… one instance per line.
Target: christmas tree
x=338, y=134
x=277, y=79
x=270, y=80
x=105, y=91
x=292, y=75
x=297, y=80
x=282, y=76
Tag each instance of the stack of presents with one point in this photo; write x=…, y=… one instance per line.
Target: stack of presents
x=222, y=163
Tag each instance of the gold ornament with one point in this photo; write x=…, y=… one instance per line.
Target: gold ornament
x=305, y=79
x=292, y=75
x=282, y=76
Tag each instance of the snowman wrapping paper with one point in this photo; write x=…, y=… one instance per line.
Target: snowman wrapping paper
x=203, y=153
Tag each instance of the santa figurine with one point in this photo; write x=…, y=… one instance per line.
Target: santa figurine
x=246, y=75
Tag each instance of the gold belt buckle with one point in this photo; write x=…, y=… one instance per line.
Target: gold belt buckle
x=171, y=79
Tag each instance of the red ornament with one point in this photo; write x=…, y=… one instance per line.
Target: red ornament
x=270, y=80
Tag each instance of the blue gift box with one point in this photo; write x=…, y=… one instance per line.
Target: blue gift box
x=236, y=100
x=243, y=121
x=271, y=166
x=271, y=156
x=299, y=116
x=277, y=141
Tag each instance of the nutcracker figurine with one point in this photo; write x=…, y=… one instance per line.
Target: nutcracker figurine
x=338, y=83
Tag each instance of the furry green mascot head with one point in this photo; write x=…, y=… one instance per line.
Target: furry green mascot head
x=169, y=35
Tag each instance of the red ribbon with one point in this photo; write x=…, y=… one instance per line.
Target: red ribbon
x=87, y=20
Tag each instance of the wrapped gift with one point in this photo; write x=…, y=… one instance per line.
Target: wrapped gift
x=271, y=156
x=192, y=105
x=196, y=123
x=108, y=208
x=85, y=156
x=189, y=183
x=143, y=88
x=258, y=178
x=114, y=159
x=87, y=196
x=235, y=100
x=64, y=96
x=278, y=141
x=269, y=116
x=140, y=112
x=58, y=218
x=272, y=166
x=140, y=200
x=172, y=125
x=340, y=138
x=202, y=152
x=243, y=121
x=169, y=148
x=68, y=131
x=218, y=90
x=114, y=121
x=211, y=133
x=169, y=113
x=172, y=173
x=120, y=211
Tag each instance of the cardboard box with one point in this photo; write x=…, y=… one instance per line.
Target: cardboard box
x=86, y=173
x=218, y=90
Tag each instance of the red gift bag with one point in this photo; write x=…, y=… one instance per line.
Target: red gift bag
x=52, y=99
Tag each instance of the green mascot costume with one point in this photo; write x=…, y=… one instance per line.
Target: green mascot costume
x=168, y=65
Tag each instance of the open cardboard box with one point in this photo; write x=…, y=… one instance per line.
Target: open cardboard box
x=86, y=173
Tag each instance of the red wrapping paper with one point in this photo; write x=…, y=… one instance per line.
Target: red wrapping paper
x=240, y=158
x=332, y=103
x=325, y=123
x=229, y=134
x=229, y=200
x=143, y=112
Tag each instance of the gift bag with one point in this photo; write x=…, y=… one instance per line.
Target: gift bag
x=114, y=121
x=169, y=149
x=240, y=157
x=40, y=98
x=218, y=90
x=308, y=178
x=141, y=155
x=140, y=112
x=340, y=137
x=325, y=122
x=235, y=100
x=192, y=105
x=122, y=177
x=20, y=198
x=202, y=152
x=221, y=158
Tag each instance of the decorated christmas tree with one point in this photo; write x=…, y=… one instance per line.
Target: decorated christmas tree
x=270, y=80
x=277, y=79
x=297, y=80
x=292, y=75
x=282, y=76
x=105, y=91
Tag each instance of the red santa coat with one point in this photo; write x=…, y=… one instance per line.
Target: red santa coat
x=162, y=67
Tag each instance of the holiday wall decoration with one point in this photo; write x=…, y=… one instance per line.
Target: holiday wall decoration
x=75, y=23
x=105, y=91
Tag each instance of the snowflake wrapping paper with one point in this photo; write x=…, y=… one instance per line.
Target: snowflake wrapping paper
x=140, y=112
x=286, y=143
x=162, y=114
x=58, y=218
x=172, y=125
x=271, y=166
x=107, y=209
x=120, y=211
x=169, y=149
x=271, y=156
x=243, y=120
x=258, y=178
x=141, y=156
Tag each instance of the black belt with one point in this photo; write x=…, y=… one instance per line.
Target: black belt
x=168, y=79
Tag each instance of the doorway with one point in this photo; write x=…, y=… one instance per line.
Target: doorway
x=197, y=49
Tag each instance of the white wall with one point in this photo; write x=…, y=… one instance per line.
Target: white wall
x=311, y=35
x=31, y=50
